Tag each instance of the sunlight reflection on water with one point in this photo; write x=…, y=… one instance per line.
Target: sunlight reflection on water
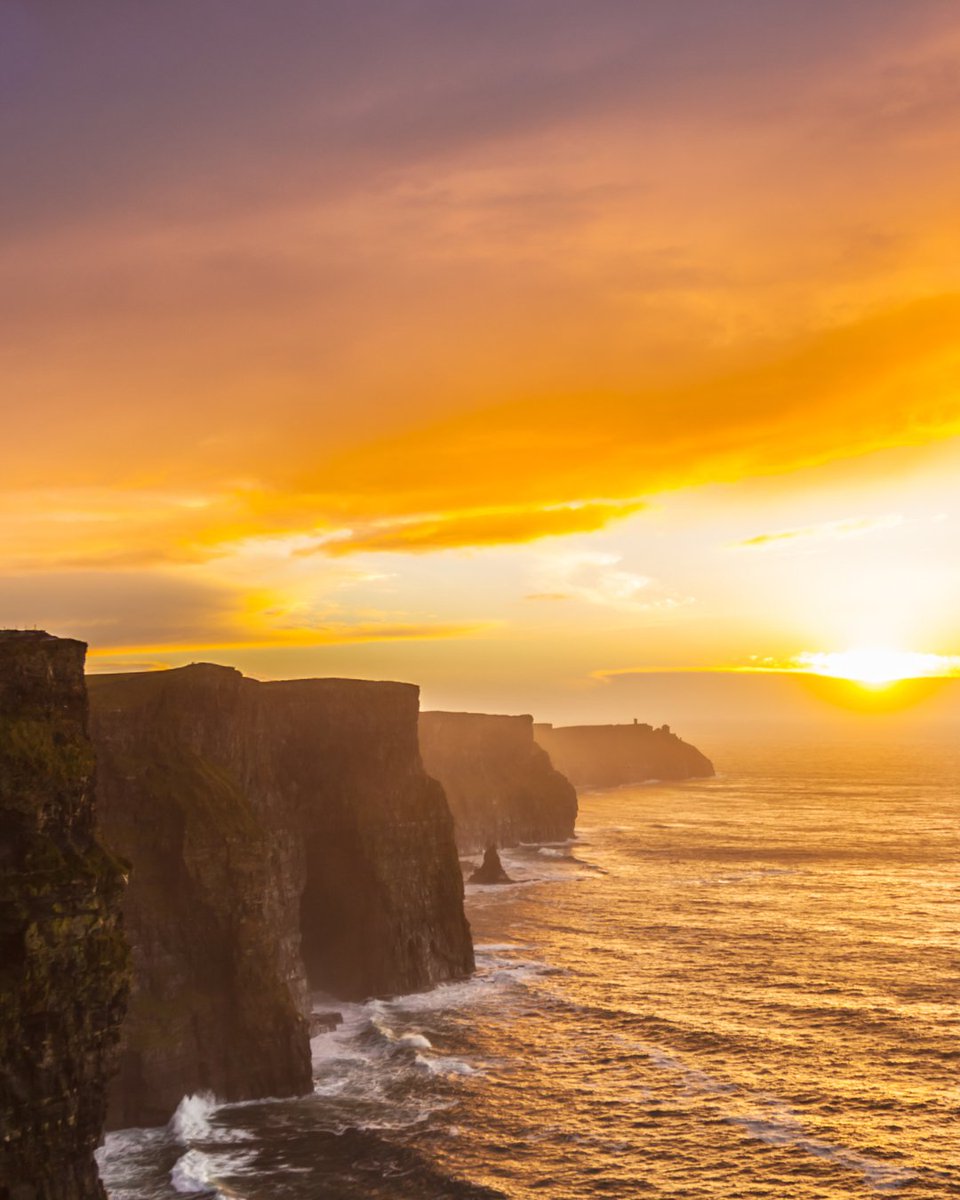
x=755, y=996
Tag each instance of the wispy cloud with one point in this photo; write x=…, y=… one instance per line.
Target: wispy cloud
x=331, y=634
x=825, y=531
x=870, y=664
x=599, y=578
x=140, y=614
x=490, y=526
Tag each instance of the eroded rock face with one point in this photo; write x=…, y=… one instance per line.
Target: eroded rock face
x=282, y=835
x=608, y=755
x=382, y=909
x=218, y=998
x=501, y=786
x=63, y=958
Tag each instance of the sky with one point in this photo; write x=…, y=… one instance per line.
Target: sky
x=533, y=351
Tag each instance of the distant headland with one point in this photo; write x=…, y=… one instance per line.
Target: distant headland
x=608, y=755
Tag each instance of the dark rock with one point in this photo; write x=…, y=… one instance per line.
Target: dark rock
x=501, y=786
x=608, y=755
x=63, y=958
x=324, y=1022
x=491, y=869
x=282, y=836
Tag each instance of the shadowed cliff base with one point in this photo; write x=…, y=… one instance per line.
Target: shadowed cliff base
x=608, y=755
x=63, y=959
x=282, y=836
x=501, y=786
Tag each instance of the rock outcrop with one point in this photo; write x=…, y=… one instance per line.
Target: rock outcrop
x=607, y=755
x=63, y=958
x=491, y=869
x=282, y=836
x=501, y=786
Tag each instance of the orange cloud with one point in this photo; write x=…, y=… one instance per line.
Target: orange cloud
x=481, y=308
x=889, y=379
x=335, y=634
x=510, y=473
x=135, y=613
x=484, y=527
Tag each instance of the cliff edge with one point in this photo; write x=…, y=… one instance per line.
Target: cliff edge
x=63, y=959
x=607, y=755
x=501, y=786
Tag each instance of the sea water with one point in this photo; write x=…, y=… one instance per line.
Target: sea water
x=744, y=987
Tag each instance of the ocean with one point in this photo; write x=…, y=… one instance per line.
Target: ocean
x=743, y=987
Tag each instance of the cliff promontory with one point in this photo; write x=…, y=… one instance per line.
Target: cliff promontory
x=501, y=786
x=607, y=755
x=282, y=836
x=63, y=959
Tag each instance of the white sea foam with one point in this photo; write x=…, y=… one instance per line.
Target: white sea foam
x=416, y=1041
x=200, y=1172
x=438, y=1065
x=192, y=1173
x=199, y=1168
x=191, y=1121
x=125, y=1159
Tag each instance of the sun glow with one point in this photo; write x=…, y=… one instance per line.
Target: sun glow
x=877, y=666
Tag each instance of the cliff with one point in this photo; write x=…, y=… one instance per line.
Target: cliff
x=501, y=786
x=63, y=959
x=607, y=755
x=282, y=836
x=218, y=991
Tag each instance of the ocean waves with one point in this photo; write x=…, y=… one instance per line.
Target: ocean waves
x=745, y=988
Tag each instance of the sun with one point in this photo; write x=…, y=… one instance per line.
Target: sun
x=876, y=666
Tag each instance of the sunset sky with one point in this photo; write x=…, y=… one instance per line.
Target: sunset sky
x=514, y=348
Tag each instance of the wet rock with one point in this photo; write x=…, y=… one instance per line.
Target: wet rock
x=491, y=869
x=325, y=1022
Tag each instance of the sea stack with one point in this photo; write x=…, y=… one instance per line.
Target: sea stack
x=608, y=755
x=64, y=962
x=501, y=786
x=491, y=869
x=283, y=837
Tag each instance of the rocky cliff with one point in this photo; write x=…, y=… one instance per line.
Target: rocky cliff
x=211, y=909
x=282, y=836
x=63, y=959
x=607, y=755
x=501, y=786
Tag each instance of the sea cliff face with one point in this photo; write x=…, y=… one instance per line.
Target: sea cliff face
x=211, y=909
x=63, y=959
x=282, y=836
x=501, y=786
x=607, y=755
x=382, y=909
